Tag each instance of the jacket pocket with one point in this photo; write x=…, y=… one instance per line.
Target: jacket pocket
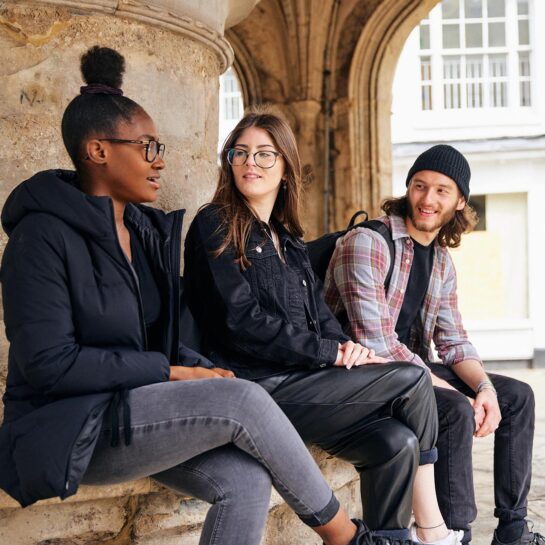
x=261, y=275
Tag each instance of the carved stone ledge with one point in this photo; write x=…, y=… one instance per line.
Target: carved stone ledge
x=86, y=493
x=151, y=14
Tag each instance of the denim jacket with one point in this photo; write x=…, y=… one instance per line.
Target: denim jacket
x=263, y=320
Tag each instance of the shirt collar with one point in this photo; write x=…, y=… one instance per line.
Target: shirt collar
x=398, y=227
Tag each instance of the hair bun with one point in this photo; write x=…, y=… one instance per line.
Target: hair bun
x=104, y=66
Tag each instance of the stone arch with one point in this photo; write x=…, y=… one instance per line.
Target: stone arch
x=246, y=71
x=370, y=83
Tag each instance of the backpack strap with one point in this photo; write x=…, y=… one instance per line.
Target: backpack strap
x=352, y=222
x=381, y=228
x=384, y=231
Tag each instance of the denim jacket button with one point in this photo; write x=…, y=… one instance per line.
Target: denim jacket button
x=258, y=249
x=304, y=282
x=322, y=364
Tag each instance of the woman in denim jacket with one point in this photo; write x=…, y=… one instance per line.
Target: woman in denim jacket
x=99, y=390
x=250, y=286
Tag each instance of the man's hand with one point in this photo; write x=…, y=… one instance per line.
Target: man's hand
x=487, y=402
x=479, y=414
x=179, y=372
x=352, y=354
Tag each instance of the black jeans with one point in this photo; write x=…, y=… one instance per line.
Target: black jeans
x=380, y=418
x=513, y=443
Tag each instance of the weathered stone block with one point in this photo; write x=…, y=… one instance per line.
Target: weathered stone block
x=84, y=523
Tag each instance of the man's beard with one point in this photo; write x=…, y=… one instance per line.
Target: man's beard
x=442, y=219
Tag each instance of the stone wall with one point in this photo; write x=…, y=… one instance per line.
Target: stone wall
x=144, y=513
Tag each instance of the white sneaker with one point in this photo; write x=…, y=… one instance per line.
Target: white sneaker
x=454, y=537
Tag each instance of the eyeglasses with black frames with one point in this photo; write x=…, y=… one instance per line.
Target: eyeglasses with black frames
x=153, y=147
x=263, y=159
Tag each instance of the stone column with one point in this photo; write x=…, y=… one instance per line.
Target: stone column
x=175, y=52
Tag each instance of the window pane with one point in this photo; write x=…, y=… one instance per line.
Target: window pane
x=524, y=32
x=473, y=8
x=451, y=96
x=525, y=94
x=424, y=36
x=498, y=66
x=496, y=8
x=474, y=85
x=522, y=7
x=496, y=34
x=524, y=64
x=474, y=35
x=451, y=36
x=425, y=69
x=426, y=97
x=451, y=67
x=474, y=92
x=450, y=9
x=474, y=67
x=498, y=94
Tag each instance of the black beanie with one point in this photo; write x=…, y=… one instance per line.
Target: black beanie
x=446, y=160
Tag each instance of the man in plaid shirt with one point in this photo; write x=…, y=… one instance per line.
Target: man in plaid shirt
x=420, y=306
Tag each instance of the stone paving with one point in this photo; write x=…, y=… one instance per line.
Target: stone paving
x=483, y=463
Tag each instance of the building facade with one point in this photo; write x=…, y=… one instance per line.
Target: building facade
x=472, y=74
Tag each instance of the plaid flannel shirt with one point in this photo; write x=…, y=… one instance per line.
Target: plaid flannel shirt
x=355, y=283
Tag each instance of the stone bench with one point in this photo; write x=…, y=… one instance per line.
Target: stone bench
x=145, y=513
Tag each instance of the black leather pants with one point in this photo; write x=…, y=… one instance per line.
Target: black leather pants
x=381, y=418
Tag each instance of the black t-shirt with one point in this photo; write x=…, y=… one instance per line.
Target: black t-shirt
x=149, y=291
x=417, y=286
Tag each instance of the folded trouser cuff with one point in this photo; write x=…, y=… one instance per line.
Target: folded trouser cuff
x=428, y=456
x=510, y=514
x=402, y=534
x=324, y=516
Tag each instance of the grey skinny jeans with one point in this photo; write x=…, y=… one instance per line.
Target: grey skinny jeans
x=223, y=441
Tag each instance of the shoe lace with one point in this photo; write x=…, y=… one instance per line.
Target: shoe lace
x=537, y=538
x=368, y=539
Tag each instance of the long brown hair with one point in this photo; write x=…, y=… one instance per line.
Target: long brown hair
x=450, y=235
x=237, y=215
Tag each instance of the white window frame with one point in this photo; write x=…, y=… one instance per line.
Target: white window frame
x=464, y=115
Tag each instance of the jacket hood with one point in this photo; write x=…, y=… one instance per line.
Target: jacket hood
x=56, y=192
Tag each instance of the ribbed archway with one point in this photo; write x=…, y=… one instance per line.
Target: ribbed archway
x=329, y=66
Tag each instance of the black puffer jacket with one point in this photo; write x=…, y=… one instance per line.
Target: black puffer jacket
x=73, y=312
x=266, y=319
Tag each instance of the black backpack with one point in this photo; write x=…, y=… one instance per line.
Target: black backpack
x=321, y=249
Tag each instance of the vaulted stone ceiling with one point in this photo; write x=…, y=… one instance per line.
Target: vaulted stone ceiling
x=329, y=65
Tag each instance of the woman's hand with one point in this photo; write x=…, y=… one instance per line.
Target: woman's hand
x=179, y=372
x=352, y=354
x=223, y=372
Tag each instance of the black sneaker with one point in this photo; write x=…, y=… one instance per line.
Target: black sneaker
x=364, y=536
x=527, y=538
